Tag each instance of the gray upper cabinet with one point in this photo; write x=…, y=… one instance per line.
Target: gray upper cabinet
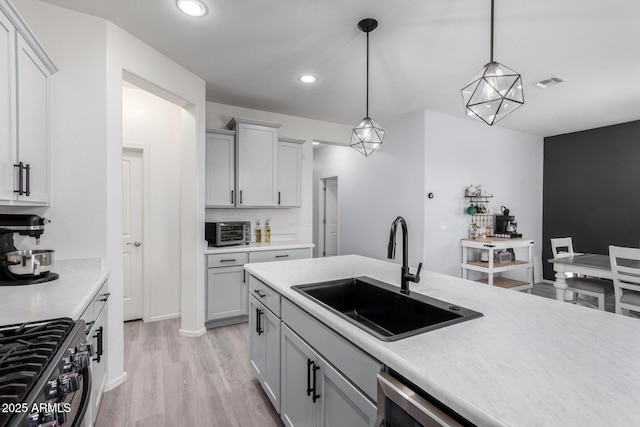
x=220, y=169
x=256, y=162
x=289, y=172
x=25, y=158
x=250, y=167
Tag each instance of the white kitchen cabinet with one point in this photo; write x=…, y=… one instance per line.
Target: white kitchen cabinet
x=289, y=172
x=227, y=294
x=256, y=162
x=25, y=169
x=279, y=255
x=96, y=317
x=316, y=394
x=264, y=349
x=220, y=169
x=7, y=110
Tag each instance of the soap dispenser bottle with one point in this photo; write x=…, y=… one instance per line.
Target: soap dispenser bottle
x=267, y=232
x=258, y=232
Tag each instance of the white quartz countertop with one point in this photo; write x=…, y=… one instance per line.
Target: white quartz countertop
x=67, y=296
x=255, y=247
x=529, y=361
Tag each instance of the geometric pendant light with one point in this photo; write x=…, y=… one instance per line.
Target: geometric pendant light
x=367, y=135
x=494, y=92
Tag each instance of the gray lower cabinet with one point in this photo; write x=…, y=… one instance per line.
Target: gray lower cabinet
x=264, y=349
x=227, y=301
x=316, y=394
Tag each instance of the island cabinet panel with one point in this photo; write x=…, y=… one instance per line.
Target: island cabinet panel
x=264, y=349
x=314, y=393
x=360, y=368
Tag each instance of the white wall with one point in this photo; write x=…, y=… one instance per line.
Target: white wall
x=155, y=124
x=373, y=190
x=91, y=55
x=289, y=223
x=461, y=151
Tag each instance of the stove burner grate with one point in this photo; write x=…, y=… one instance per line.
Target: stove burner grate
x=25, y=351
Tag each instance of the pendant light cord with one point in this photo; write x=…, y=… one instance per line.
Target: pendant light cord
x=368, y=74
x=491, y=51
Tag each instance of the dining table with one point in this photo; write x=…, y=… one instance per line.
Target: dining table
x=592, y=265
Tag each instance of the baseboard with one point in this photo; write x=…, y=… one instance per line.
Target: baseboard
x=110, y=385
x=193, y=334
x=163, y=317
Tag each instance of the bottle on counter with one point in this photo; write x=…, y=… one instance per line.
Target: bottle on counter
x=258, y=232
x=267, y=232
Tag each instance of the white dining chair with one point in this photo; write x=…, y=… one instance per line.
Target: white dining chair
x=563, y=247
x=625, y=266
x=591, y=287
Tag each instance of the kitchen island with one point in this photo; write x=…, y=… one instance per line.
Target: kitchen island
x=529, y=361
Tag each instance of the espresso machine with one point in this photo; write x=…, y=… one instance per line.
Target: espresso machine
x=23, y=267
x=505, y=225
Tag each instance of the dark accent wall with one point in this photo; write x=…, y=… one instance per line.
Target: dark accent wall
x=592, y=189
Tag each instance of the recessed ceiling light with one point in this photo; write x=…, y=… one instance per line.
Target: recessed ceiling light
x=308, y=78
x=192, y=7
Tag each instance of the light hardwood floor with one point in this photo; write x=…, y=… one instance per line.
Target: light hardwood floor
x=177, y=381
x=205, y=381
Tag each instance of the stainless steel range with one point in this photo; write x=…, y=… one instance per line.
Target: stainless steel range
x=45, y=379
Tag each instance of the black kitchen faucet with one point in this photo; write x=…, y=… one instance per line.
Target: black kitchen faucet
x=405, y=276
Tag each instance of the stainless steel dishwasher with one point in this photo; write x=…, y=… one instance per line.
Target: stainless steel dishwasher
x=401, y=404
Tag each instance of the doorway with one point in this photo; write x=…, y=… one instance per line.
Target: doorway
x=133, y=218
x=329, y=217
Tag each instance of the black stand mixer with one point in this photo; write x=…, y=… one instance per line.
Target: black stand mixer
x=23, y=267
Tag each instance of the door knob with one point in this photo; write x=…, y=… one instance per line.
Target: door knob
x=136, y=243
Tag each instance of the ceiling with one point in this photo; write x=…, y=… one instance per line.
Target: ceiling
x=423, y=52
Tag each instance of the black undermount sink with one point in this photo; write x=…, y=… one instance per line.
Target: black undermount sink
x=382, y=310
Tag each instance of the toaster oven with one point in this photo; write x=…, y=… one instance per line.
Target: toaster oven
x=227, y=233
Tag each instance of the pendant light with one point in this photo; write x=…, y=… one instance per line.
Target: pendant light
x=494, y=92
x=367, y=135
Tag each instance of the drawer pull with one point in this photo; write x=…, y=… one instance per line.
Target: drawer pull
x=282, y=256
x=259, y=293
x=228, y=260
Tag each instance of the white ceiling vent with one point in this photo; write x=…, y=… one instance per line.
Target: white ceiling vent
x=549, y=81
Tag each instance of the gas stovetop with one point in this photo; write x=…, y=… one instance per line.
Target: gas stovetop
x=25, y=352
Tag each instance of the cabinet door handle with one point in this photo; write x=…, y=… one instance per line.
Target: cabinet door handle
x=278, y=197
x=282, y=256
x=240, y=196
x=259, y=329
x=28, y=180
x=20, y=167
x=100, y=349
x=231, y=196
x=88, y=327
x=315, y=395
x=309, y=389
x=259, y=293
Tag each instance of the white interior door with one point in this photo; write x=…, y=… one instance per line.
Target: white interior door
x=331, y=219
x=132, y=219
